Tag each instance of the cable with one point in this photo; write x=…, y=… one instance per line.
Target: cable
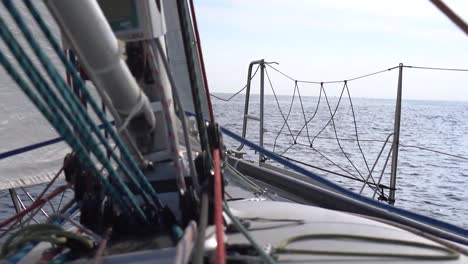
x=332, y=172
x=218, y=197
x=435, y=68
x=285, y=119
x=238, y=92
x=35, y=205
x=323, y=82
x=427, y=224
x=267, y=258
x=279, y=107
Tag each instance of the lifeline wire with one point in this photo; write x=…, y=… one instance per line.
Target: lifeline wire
x=452, y=232
x=236, y=93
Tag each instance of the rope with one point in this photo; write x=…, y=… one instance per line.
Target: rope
x=218, y=211
x=45, y=232
x=323, y=82
x=452, y=232
x=70, y=209
x=331, y=120
x=35, y=205
x=265, y=257
x=51, y=105
x=435, y=68
x=332, y=172
x=238, y=92
x=80, y=85
x=279, y=107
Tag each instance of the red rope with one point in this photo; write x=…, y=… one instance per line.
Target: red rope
x=220, y=250
x=218, y=212
x=202, y=62
x=36, y=204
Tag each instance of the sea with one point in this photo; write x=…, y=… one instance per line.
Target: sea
x=432, y=167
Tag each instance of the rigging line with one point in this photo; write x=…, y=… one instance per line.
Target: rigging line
x=320, y=82
x=328, y=171
x=282, y=73
x=217, y=181
x=433, y=150
x=182, y=117
x=82, y=87
x=382, y=141
x=356, y=130
x=377, y=160
x=323, y=156
x=56, y=120
x=435, y=68
x=35, y=205
x=240, y=227
x=335, y=130
x=341, y=138
x=384, y=168
x=238, y=92
x=312, y=117
x=331, y=118
x=329, y=160
x=430, y=225
x=44, y=89
x=303, y=114
x=288, y=148
x=277, y=102
x=237, y=173
x=286, y=120
x=451, y=15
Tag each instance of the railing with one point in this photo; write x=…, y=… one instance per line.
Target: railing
x=393, y=138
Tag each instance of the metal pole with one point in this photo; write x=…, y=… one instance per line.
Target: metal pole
x=14, y=198
x=262, y=100
x=396, y=138
x=247, y=98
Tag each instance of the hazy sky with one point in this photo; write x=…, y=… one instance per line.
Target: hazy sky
x=332, y=39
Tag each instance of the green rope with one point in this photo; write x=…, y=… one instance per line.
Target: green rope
x=77, y=109
x=81, y=86
x=48, y=233
x=55, y=119
x=282, y=247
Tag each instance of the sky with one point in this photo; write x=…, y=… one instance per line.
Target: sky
x=324, y=40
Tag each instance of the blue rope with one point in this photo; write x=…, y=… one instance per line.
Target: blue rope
x=78, y=111
x=42, y=144
x=420, y=218
x=31, y=147
x=81, y=86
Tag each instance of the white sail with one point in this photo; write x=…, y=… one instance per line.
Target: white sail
x=22, y=125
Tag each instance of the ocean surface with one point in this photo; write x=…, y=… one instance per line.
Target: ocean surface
x=429, y=181
x=432, y=163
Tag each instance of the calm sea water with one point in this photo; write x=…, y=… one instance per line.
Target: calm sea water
x=429, y=183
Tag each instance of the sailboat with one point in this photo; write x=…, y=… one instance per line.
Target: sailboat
x=151, y=178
